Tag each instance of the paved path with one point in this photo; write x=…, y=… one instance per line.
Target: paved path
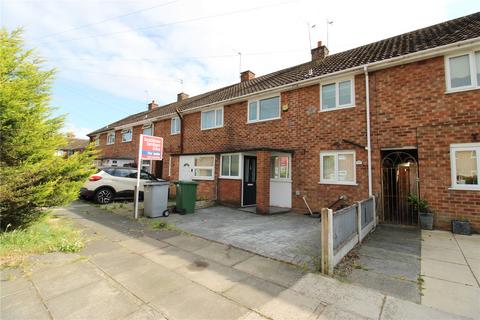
x=388, y=260
x=129, y=272
x=451, y=272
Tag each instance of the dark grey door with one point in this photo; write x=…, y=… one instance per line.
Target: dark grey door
x=249, y=181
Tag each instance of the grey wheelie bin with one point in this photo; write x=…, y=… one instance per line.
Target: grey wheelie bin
x=155, y=198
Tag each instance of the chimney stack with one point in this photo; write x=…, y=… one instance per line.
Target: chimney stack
x=152, y=105
x=182, y=96
x=247, y=75
x=320, y=52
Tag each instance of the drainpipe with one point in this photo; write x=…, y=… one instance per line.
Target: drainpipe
x=369, y=145
x=181, y=129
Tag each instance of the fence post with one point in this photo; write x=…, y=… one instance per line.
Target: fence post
x=374, y=208
x=327, y=241
x=359, y=221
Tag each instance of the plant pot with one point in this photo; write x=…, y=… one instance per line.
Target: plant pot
x=426, y=220
x=461, y=227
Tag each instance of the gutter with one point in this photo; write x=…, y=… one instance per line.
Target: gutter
x=369, y=144
x=372, y=67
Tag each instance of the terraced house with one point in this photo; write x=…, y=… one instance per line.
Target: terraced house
x=395, y=117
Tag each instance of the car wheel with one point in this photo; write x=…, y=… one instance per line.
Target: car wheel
x=104, y=196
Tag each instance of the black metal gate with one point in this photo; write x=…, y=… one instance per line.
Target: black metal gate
x=399, y=180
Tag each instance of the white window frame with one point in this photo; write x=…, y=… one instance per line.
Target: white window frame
x=337, y=94
x=230, y=162
x=289, y=177
x=335, y=154
x=97, y=140
x=125, y=131
x=148, y=126
x=172, y=131
x=109, y=134
x=257, y=101
x=149, y=165
x=473, y=71
x=215, y=126
x=170, y=166
x=204, y=167
x=453, y=165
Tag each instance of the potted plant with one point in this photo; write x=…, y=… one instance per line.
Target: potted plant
x=461, y=226
x=424, y=212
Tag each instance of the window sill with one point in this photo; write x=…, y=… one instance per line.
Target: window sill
x=174, y=134
x=473, y=188
x=336, y=108
x=264, y=120
x=449, y=91
x=126, y=141
x=205, y=129
x=110, y=144
x=281, y=180
x=229, y=178
x=339, y=183
x=202, y=178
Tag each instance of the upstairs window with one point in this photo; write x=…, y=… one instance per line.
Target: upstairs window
x=463, y=71
x=264, y=109
x=465, y=163
x=212, y=119
x=230, y=166
x=127, y=135
x=175, y=126
x=148, y=130
x=337, y=167
x=97, y=140
x=337, y=95
x=204, y=167
x=111, y=137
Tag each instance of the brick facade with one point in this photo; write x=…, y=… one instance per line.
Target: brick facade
x=409, y=108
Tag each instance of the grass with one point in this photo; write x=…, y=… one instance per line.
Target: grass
x=162, y=225
x=48, y=234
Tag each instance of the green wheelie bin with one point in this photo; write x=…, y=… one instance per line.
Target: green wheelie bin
x=186, y=196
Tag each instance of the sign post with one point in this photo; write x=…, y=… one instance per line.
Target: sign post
x=150, y=148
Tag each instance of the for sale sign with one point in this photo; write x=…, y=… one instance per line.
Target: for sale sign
x=151, y=147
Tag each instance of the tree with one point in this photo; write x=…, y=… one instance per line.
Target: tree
x=32, y=177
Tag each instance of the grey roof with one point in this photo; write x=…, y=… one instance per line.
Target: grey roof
x=452, y=31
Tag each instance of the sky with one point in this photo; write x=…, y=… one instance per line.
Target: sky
x=114, y=56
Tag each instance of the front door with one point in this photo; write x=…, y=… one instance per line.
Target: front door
x=249, y=181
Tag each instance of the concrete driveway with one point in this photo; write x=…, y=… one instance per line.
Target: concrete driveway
x=287, y=237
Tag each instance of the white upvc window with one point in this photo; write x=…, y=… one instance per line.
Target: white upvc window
x=148, y=129
x=111, y=137
x=127, y=135
x=337, y=167
x=212, y=119
x=147, y=165
x=204, y=167
x=264, y=109
x=337, y=94
x=230, y=166
x=96, y=139
x=175, y=125
x=465, y=163
x=280, y=167
x=462, y=71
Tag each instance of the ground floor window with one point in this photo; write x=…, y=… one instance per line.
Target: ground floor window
x=337, y=167
x=280, y=167
x=204, y=167
x=147, y=165
x=230, y=166
x=465, y=162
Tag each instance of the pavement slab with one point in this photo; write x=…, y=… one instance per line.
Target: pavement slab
x=98, y=300
x=396, y=309
x=172, y=257
x=98, y=246
x=274, y=271
x=224, y=254
x=142, y=244
x=196, y=302
x=333, y=312
x=24, y=304
x=188, y=243
x=118, y=261
x=145, y=312
x=12, y=281
x=448, y=271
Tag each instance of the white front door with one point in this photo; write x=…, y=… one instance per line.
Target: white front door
x=186, y=168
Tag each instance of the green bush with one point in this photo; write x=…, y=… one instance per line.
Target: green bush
x=31, y=175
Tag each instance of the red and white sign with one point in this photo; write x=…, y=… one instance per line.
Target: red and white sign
x=151, y=147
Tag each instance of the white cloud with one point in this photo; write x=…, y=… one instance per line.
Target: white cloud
x=128, y=64
x=79, y=132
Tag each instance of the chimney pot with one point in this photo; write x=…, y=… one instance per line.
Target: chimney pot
x=182, y=96
x=152, y=105
x=247, y=75
x=320, y=52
